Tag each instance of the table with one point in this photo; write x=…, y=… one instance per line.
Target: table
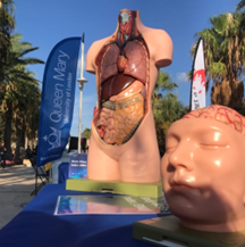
x=63, y=172
x=36, y=225
x=55, y=167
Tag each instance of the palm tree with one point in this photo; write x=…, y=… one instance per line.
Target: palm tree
x=224, y=53
x=171, y=108
x=17, y=80
x=26, y=111
x=32, y=118
x=164, y=83
x=166, y=109
x=7, y=24
x=87, y=133
x=240, y=5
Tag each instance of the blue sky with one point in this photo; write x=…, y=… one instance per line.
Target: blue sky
x=45, y=23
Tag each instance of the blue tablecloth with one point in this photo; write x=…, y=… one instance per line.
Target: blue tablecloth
x=63, y=172
x=37, y=226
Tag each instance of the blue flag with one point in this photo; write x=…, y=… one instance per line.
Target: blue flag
x=58, y=93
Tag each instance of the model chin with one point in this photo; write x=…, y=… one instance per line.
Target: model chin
x=185, y=209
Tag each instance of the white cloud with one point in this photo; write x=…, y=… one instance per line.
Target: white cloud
x=182, y=77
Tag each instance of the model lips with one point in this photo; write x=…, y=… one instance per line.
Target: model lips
x=187, y=181
x=184, y=187
x=180, y=185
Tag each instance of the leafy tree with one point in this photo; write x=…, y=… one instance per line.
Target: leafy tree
x=15, y=98
x=7, y=24
x=242, y=109
x=26, y=112
x=164, y=83
x=87, y=133
x=166, y=109
x=224, y=53
x=240, y=5
x=19, y=92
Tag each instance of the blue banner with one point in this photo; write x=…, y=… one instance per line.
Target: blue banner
x=58, y=96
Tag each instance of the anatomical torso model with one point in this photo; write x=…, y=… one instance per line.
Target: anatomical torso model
x=123, y=143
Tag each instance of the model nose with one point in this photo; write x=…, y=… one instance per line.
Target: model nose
x=182, y=156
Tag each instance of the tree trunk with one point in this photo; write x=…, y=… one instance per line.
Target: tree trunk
x=20, y=133
x=237, y=95
x=18, y=139
x=8, y=131
x=26, y=142
x=23, y=133
x=228, y=93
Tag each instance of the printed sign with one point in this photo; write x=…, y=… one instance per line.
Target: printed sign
x=102, y=204
x=78, y=166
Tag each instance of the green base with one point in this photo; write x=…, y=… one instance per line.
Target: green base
x=153, y=190
x=160, y=231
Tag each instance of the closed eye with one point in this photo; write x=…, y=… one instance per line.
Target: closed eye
x=213, y=145
x=172, y=141
x=170, y=148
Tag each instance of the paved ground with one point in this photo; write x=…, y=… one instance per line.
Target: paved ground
x=16, y=184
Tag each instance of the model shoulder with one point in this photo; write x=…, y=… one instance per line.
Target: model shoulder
x=92, y=52
x=160, y=46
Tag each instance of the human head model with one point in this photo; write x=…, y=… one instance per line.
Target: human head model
x=203, y=169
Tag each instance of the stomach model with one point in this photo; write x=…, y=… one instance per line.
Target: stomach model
x=122, y=68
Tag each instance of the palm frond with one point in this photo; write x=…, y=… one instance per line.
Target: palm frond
x=240, y=5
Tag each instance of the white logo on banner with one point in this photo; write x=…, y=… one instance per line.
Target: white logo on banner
x=53, y=138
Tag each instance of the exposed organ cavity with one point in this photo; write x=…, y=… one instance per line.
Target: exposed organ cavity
x=119, y=119
x=123, y=71
x=137, y=58
x=115, y=85
x=108, y=122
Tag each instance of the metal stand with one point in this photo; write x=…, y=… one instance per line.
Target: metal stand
x=81, y=81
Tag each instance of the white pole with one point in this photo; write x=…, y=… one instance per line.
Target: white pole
x=80, y=118
x=81, y=81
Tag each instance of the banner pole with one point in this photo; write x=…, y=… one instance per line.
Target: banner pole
x=81, y=81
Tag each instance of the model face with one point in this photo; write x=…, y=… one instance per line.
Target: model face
x=203, y=171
